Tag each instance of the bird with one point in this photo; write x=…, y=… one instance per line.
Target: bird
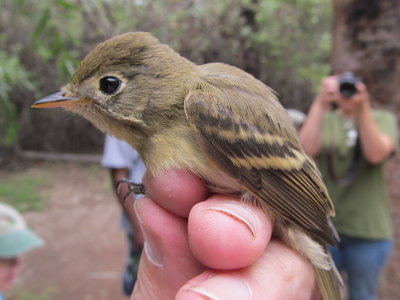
x=216, y=121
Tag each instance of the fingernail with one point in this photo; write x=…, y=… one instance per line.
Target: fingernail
x=222, y=287
x=237, y=212
x=150, y=248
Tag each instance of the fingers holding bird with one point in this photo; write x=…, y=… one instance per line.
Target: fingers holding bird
x=223, y=232
x=221, y=249
x=279, y=274
x=176, y=190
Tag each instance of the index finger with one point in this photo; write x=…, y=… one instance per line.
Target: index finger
x=176, y=190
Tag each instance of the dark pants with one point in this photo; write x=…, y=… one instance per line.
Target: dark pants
x=131, y=266
x=363, y=261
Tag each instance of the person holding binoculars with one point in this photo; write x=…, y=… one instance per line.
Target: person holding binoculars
x=351, y=142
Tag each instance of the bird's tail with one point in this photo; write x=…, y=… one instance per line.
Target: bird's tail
x=328, y=278
x=330, y=283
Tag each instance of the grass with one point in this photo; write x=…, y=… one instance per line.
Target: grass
x=21, y=294
x=94, y=169
x=22, y=190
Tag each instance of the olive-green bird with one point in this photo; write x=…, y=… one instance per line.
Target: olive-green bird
x=214, y=120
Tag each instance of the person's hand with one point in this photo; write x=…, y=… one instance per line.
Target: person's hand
x=356, y=103
x=218, y=247
x=328, y=93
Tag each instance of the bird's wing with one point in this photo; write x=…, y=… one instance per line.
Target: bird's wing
x=248, y=135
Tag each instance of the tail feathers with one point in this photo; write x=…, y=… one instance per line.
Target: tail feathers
x=330, y=283
x=328, y=278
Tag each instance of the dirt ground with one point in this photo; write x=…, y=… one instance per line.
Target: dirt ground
x=85, y=250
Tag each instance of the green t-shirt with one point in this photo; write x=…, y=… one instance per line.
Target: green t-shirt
x=362, y=209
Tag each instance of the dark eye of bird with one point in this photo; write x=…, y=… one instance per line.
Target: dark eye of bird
x=109, y=85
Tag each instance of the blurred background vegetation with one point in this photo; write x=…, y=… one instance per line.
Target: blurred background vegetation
x=284, y=43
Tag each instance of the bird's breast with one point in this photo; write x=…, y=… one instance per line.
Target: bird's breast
x=177, y=148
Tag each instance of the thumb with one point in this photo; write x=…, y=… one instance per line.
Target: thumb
x=279, y=274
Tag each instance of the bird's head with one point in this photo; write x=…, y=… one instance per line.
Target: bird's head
x=126, y=84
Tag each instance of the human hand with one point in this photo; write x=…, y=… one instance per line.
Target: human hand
x=356, y=103
x=329, y=92
x=218, y=247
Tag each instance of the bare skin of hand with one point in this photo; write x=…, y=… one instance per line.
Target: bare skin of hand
x=201, y=247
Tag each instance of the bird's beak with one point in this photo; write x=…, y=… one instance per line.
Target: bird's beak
x=55, y=100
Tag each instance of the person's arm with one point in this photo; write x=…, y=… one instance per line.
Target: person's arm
x=126, y=204
x=311, y=131
x=376, y=145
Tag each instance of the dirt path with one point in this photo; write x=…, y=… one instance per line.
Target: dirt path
x=85, y=249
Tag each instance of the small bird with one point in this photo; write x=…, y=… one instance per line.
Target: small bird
x=215, y=121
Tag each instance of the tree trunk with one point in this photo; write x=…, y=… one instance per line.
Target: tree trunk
x=366, y=41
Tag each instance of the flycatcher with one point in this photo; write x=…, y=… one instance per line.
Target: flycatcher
x=215, y=121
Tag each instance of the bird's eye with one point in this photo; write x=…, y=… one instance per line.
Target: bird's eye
x=109, y=84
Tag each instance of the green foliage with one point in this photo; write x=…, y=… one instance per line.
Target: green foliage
x=52, y=30
x=12, y=75
x=289, y=41
x=32, y=34
x=49, y=37
x=284, y=43
x=296, y=38
x=22, y=190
